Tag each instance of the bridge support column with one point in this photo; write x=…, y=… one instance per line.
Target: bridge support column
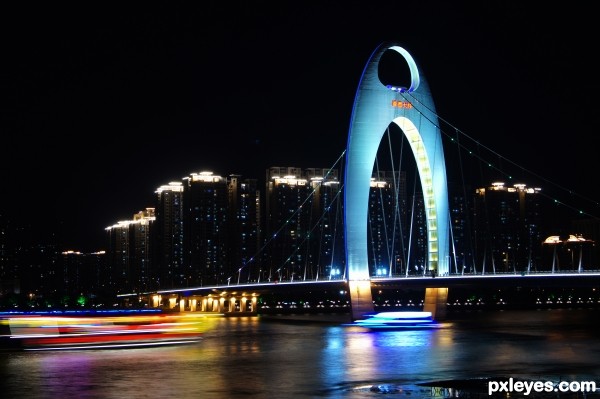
x=226, y=304
x=361, y=298
x=172, y=302
x=210, y=304
x=154, y=300
x=436, y=301
x=188, y=304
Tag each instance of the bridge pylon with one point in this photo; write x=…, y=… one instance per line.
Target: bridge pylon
x=411, y=108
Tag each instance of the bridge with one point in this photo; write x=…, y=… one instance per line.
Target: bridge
x=406, y=103
x=507, y=290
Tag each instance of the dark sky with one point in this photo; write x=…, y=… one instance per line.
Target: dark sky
x=102, y=104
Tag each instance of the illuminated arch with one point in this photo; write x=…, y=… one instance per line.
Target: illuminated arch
x=376, y=106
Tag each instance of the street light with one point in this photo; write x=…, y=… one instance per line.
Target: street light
x=334, y=273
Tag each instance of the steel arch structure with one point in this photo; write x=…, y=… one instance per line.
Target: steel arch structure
x=412, y=109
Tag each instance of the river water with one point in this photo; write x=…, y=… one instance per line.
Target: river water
x=317, y=357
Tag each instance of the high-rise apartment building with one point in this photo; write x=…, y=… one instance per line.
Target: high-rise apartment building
x=142, y=271
x=300, y=222
x=115, y=278
x=507, y=232
x=206, y=260
x=460, y=204
x=326, y=238
x=130, y=257
x=244, y=230
x=203, y=230
x=168, y=236
x=387, y=224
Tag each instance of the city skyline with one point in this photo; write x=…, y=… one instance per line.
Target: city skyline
x=105, y=108
x=146, y=251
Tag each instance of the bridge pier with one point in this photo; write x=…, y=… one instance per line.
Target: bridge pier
x=361, y=298
x=436, y=300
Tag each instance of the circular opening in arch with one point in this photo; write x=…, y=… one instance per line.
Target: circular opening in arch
x=393, y=70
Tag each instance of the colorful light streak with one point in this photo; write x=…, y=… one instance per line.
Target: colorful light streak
x=40, y=331
x=397, y=320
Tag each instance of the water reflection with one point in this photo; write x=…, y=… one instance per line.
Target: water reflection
x=249, y=357
x=358, y=360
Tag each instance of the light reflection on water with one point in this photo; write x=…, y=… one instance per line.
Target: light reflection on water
x=258, y=358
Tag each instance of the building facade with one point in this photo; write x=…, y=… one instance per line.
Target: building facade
x=168, y=236
x=387, y=224
x=302, y=230
x=244, y=229
x=206, y=219
x=129, y=261
x=508, y=236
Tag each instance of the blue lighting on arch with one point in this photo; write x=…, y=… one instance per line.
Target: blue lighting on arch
x=372, y=113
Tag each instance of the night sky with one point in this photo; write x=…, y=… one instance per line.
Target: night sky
x=101, y=105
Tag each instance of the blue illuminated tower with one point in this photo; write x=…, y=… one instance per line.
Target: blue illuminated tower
x=411, y=108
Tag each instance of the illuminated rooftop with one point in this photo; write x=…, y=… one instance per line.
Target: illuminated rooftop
x=205, y=177
x=172, y=186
